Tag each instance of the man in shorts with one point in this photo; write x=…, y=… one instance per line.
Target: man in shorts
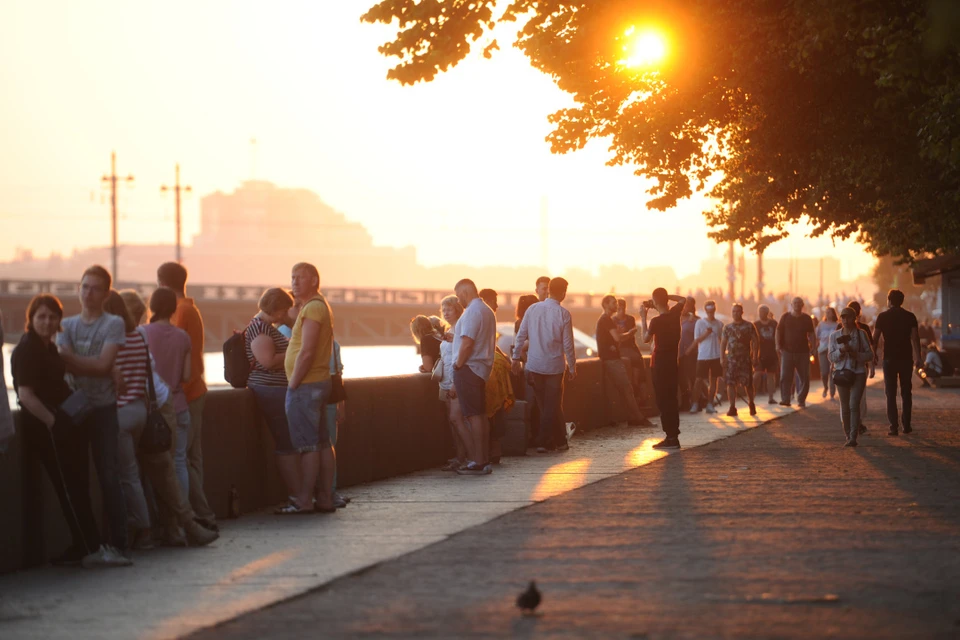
x=768, y=363
x=474, y=342
x=307, y=363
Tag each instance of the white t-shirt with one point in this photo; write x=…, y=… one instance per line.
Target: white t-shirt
x=479, y=323
x=446, y=358
x=709, y=349
x=824, y=330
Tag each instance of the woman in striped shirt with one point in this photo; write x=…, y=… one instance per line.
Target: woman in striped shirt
x=266, y=348
x=131, y=370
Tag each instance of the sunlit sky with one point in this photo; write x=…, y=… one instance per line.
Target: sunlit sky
x=456, y=167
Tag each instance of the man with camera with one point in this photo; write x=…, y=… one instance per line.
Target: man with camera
x=665, y=328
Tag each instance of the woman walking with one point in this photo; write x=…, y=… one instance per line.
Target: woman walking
x=849, y=352
x=827, y=327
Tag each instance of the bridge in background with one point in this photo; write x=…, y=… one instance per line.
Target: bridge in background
x=362, y=316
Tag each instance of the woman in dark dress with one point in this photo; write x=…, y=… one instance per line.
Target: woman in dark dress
x=38, y=378
x=428, y=339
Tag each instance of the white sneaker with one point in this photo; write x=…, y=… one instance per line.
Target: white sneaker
x=105, y=556
x=571, y=429
x=710, y=408
x=694, y=408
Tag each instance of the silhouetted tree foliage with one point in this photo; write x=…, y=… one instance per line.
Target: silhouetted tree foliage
x=844, y=111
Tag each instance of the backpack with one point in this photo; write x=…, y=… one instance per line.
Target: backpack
x=236, y=367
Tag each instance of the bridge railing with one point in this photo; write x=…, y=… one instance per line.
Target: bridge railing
x=336, y=295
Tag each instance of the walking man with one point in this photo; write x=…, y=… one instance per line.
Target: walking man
x=738, y=351
x=88, y=345
x=549, y=328
x=795, y=343
x=627, y=325
x=615, y=380
x=665, y=328
x=706, y=340
x=474, y=345
x=307, y=365
x=768, y=363
x=187, y=317
x=901, y=352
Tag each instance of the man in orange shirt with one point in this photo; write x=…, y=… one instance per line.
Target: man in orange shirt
x=187, y=317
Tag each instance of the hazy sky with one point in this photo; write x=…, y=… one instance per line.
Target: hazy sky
x=456, y=167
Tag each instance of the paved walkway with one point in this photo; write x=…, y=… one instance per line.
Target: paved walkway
x=262, y=559
x=777, y=533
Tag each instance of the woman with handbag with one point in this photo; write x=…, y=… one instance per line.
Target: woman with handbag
x=826, y=328
x=849, y=352
x=147, y=420
x=38, y=378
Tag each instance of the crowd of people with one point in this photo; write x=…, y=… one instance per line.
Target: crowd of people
x=102, y=381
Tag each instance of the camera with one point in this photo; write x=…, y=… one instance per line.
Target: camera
x=648, y=304
x=843, y=340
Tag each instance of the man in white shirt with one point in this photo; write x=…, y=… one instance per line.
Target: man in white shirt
x=706, y=339
x=549, y=328
x=474, y=341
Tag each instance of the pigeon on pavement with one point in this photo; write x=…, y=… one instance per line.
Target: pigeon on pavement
x=529, y=599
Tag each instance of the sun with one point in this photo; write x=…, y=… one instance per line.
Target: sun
x=643, y=48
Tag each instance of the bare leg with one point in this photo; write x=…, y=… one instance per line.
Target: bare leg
x=328, y=468
x=695, y=392
x=485, y=438
x=289, y=466
x=457, y=428
x=714, y=383
x=732, y=393
x=309, y=470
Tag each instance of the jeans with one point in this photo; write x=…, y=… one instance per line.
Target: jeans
x=103, y=430
x=548, y=389
x=198, y=499
x=306, y=416
x=331, y=418
x=826, y=371
x=63, y=453
x=850, y=405
x=132, y=418
x=272, y=404
x=798, y=363
x=892, y=371
x=616, y=384
x=180, y=453
x=665, y=387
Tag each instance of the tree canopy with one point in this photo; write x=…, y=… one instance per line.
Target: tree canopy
x=841, y=111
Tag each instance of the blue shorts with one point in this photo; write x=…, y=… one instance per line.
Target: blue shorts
x=272, y=402
x=306, y=418
x=471, y=392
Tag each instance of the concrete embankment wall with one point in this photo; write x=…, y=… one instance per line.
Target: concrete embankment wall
x=394, y=426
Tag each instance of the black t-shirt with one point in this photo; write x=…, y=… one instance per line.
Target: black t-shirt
x=430, y=346
x=666, y=332
x=608, y=347
x=768, y=338
x=793, y=332
x=38, y=366
x=896, y=325
x=628, y=342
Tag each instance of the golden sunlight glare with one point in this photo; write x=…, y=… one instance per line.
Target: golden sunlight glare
x=644, y=48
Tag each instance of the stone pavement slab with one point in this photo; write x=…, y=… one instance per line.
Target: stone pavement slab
x=262, y=559
x=779, y=532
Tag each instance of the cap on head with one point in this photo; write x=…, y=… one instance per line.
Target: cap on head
x=848, y=312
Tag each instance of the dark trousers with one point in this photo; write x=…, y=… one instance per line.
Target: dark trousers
x=892, y=372
x=665, y=387
x=687, y=375
x=100, y=433
x=795, y=363
x=56, y=451
x=548, y=390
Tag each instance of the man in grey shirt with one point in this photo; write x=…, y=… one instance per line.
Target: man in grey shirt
x=549, y=328
x=88, y=345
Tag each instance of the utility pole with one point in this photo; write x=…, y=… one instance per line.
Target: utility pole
x=112, y=181
x=177, y=190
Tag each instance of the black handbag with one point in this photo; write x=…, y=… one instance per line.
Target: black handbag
x=157, y=436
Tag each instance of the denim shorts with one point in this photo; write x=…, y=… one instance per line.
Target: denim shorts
x=471, y=392
x=306, y=418
x=272, y=404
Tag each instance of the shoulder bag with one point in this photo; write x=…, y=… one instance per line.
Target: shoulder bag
x=337, y=392
x=156, y=436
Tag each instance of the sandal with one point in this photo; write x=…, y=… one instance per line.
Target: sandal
x=291, y=509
